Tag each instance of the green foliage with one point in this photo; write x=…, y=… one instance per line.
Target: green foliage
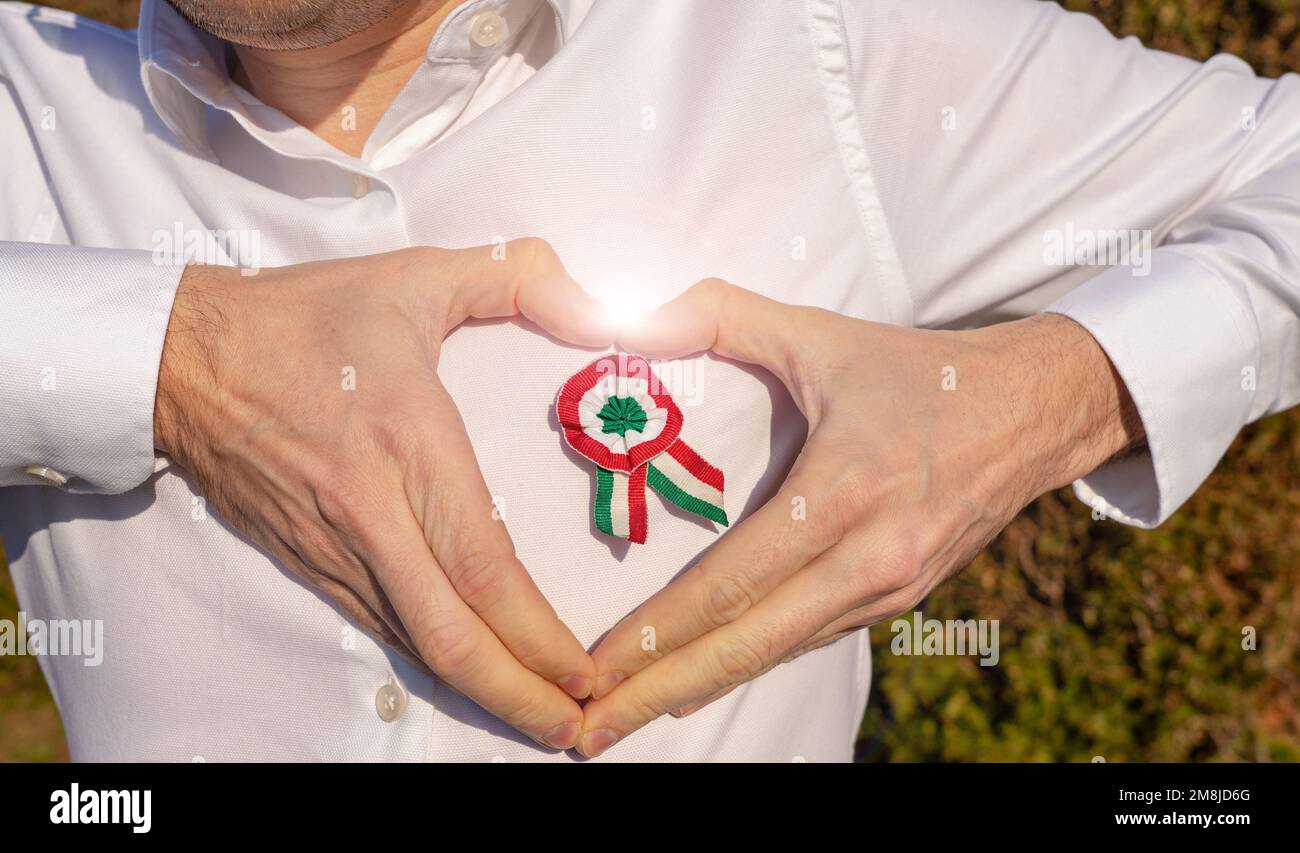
x=29, y=723
x=1118, y=642
x=1263, y=32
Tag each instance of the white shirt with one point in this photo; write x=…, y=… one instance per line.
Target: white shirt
x=939, y=164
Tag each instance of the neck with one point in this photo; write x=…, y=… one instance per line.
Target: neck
x=341, y=90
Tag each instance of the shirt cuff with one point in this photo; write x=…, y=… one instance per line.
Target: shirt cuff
x=1187, y=347
x=81, y=338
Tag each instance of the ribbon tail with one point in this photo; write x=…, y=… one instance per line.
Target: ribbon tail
x=620, y=504
x=685, y=480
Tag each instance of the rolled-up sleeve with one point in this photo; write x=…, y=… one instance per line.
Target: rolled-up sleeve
x=81, y=337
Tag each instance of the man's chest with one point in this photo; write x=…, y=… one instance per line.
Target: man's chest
x=646, y=153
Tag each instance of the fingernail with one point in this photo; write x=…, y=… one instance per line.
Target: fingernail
x=564, y=736
x=577, y=686
x=686, y=710
x=607, y=682
x=594, y=743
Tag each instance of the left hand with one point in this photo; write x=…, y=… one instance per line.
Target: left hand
x=922, y=446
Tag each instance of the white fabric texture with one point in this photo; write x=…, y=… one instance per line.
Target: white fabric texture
x=891, y=160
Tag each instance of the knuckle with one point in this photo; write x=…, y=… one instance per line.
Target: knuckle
x=646, y=706
x=740, y=659
x=341, y=501
x=854, y=491
x=478, y=576
x=712, y=292
x=534, y=271
x=448, y=648
x=851, y=499
x=537, y=650
x=728, y=599
x=402, y=433
x=532, y=713
x=895, y=568
x=715, y=287
x=533, y=255
x=534, y=654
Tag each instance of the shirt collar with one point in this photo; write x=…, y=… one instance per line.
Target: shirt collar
x=184, y=69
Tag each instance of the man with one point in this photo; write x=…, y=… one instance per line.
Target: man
x=964, y=198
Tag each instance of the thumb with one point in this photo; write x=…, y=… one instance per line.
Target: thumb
x=525, y=277
x=716, y=315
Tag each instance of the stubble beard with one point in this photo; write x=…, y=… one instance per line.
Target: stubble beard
x=285, y=24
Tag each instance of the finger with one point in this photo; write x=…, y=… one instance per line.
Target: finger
x=824, y=638
x=369, y=608
x=736, y=573
x=471, y=544
x=878, y=607
x=687, y=710
x=458, y=646
x=718, y=316
x=390, y=632
x=725, y=657
x=526, y=277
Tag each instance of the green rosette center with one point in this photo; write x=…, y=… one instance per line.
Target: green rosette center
x=621, y=414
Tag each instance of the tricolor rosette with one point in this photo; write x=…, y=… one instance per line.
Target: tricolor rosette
x=617, y=413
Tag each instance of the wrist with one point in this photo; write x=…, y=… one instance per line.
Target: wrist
x=1071, y=409
x=189, y=358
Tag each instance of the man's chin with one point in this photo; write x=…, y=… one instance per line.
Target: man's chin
x=285, y=24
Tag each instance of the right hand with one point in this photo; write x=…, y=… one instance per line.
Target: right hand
x=373, y=495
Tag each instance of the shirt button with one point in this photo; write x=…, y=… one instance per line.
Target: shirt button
x=360, y=185
x=390, y=702
x=48, y=476
x=486, y=29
